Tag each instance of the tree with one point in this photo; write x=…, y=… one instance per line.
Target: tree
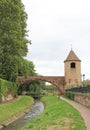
x=13, y=37
x=26, y=68
x=32, y=87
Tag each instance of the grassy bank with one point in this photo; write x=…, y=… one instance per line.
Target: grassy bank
x=58, y=115
x=10, y=109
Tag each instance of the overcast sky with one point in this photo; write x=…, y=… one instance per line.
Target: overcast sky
x=53, y=26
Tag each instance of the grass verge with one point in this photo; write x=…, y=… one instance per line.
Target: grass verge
x=10, y=109
x=58, y=115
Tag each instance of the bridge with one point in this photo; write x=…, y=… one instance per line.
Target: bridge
x=58, y=81
x=72, y=77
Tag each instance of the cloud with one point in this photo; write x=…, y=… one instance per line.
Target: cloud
x=43, y=69
x=54, y=25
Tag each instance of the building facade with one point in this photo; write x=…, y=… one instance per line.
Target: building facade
x=72, y=70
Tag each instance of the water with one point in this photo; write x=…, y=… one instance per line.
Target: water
x=36, y=110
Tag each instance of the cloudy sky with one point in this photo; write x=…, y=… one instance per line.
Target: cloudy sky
x=55, y=25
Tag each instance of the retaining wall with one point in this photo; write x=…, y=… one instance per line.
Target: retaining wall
x=82, y=98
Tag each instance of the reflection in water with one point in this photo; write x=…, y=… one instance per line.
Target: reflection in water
x=36, y=110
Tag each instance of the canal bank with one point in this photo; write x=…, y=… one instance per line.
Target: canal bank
x=12, y=111
x=14, y=118
x=26, y=116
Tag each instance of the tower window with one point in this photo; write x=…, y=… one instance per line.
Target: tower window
x=73, y=65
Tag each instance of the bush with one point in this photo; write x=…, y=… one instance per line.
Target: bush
x=69, y=95
x=6, y=88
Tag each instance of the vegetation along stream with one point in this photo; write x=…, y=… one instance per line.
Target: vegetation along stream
x=36, y=110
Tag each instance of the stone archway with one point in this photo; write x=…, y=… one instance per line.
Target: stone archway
x=58, y=81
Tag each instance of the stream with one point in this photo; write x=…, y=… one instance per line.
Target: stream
x=36, y=110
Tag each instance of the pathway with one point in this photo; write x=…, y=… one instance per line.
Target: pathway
x=85, y=112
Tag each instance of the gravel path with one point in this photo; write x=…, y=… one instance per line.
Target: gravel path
x=85, y=112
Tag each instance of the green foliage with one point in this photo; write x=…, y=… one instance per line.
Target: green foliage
x=31, y=86
x=13, y=37
x=69, y=95
x=7, y=87
x=9, y=69
x=86, y=83
x=26, y=68
x=13, y=44
x=50, y=87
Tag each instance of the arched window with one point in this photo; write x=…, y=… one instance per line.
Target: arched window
x=73, y=65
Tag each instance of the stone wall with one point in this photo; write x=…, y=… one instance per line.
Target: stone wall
x=83, y=99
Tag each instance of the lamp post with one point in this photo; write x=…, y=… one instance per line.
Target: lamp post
x=83, y=78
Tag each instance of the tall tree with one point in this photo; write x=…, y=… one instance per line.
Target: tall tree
x=26, y=68
x=13, y=37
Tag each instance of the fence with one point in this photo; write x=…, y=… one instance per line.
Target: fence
x=80, y=89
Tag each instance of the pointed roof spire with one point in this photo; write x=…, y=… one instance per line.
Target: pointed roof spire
x=72, y=57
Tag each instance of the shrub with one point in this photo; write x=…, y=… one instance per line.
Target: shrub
x=69, y=95
x=6, y=88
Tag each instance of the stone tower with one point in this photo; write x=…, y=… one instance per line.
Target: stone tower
x=72, y=70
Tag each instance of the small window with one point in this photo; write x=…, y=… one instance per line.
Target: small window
x=73, y=65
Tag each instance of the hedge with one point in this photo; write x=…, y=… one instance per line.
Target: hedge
x=69, y=95
x=6, y=88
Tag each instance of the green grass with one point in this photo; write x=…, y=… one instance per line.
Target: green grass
x=10, y=109
x=58, y=115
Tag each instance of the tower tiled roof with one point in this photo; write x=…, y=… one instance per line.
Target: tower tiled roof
x=72, y=57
